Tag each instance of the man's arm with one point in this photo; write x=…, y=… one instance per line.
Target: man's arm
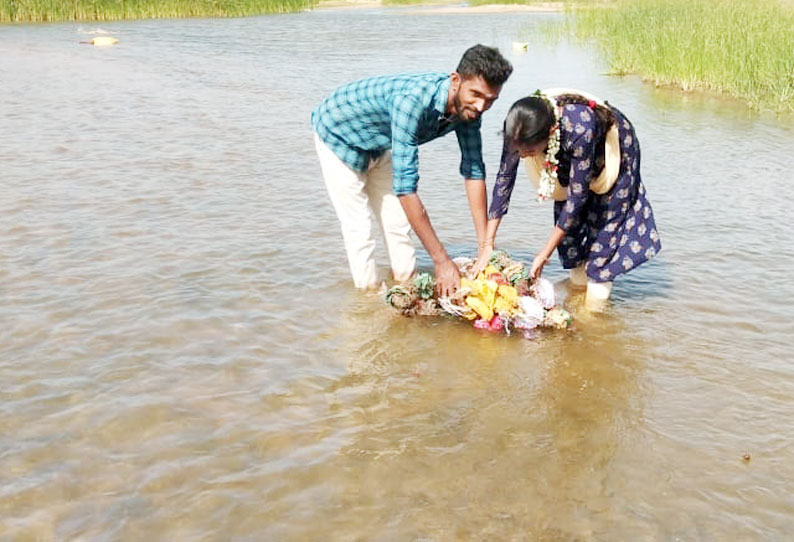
x=447, y=274
x=405, y=160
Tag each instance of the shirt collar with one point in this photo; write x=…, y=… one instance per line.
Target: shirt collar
x=442, y=95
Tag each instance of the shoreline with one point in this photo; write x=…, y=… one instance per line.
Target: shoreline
x=441, y=7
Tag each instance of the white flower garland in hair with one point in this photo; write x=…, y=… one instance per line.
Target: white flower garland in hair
x=548, y=175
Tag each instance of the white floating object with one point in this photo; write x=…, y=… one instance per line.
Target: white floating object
x=543, y=290
x=103, y=41
x=531, y=313
x=520, y=46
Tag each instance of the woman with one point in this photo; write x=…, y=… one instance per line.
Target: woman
x=584, y=154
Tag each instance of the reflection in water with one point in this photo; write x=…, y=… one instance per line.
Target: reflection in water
x=485, y=437
x=183, y=357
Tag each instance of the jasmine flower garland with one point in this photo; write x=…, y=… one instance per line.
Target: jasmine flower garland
x=548, y=175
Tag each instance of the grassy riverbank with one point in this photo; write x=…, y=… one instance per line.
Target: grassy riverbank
x=743, y=48
x=106, y=10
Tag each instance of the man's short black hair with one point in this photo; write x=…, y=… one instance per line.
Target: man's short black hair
x=487, y=62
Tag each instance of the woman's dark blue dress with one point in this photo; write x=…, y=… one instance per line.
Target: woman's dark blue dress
x=609, y=233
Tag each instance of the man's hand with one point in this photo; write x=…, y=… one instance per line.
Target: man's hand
x=447, y=278
x=447, y=274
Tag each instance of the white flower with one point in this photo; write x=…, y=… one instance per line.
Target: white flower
x=635, y=247
x=642, y=229
x=548, y=176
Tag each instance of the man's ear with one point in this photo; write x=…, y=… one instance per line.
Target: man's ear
x=455, y=84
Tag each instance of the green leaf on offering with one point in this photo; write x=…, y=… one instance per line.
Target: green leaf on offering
x=499, y=259
x=425, y=285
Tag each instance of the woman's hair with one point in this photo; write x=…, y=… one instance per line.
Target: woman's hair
x=603, y=114
x=530, y=119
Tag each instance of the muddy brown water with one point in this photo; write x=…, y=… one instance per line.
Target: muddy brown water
x=183, y=356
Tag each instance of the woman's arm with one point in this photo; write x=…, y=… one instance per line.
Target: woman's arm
x=478, y=203
x=486, y=247
x=543, y=256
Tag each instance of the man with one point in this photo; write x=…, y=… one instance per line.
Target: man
x=367, y=135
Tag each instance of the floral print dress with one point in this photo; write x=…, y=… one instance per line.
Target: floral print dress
x=611, y=233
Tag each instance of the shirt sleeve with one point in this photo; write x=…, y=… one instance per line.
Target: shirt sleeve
x=470, y=141
x=505, y=180
x=579, y=143
x=405, y=115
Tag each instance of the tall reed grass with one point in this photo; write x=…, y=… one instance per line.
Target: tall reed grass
x=744, y=48
x=105, y=10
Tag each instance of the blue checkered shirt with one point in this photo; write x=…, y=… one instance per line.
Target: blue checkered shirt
x=361, y=120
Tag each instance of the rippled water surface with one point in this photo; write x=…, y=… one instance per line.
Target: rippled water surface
x=183, y=355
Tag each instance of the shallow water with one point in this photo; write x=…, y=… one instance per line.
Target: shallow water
x=183, y=356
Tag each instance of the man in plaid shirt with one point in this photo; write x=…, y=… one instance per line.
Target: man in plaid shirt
x=367, y=135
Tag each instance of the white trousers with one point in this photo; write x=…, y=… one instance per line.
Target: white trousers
x=597, y=292
x=360, y=200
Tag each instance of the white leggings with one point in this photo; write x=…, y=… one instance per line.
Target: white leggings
x=360, y=199
x=596, y=291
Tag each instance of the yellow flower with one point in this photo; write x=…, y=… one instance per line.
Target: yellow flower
x=480, y=307
x=508, y=293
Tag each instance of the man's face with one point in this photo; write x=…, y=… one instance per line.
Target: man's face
x=474, y=96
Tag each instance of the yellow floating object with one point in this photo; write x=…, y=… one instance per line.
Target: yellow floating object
x=503, y=306
x=477, y=305
x=472, y=285
x=488, y=294
x=520, y=46
x=487, y=272
x=508, y=293
x=103, y=41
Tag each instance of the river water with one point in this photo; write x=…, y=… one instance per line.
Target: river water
x=183, y=355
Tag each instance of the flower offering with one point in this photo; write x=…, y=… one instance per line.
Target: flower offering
x=500, y=299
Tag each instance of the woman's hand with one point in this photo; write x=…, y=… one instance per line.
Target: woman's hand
x=483, y=257
x=537, y=266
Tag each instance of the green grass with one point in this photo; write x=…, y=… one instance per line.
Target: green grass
x=106, y=10
x=742, y=48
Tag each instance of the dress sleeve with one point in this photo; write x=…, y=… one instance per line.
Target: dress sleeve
x=405, y=115
x=470, y=142
x=505, y=180
x=578, y=142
